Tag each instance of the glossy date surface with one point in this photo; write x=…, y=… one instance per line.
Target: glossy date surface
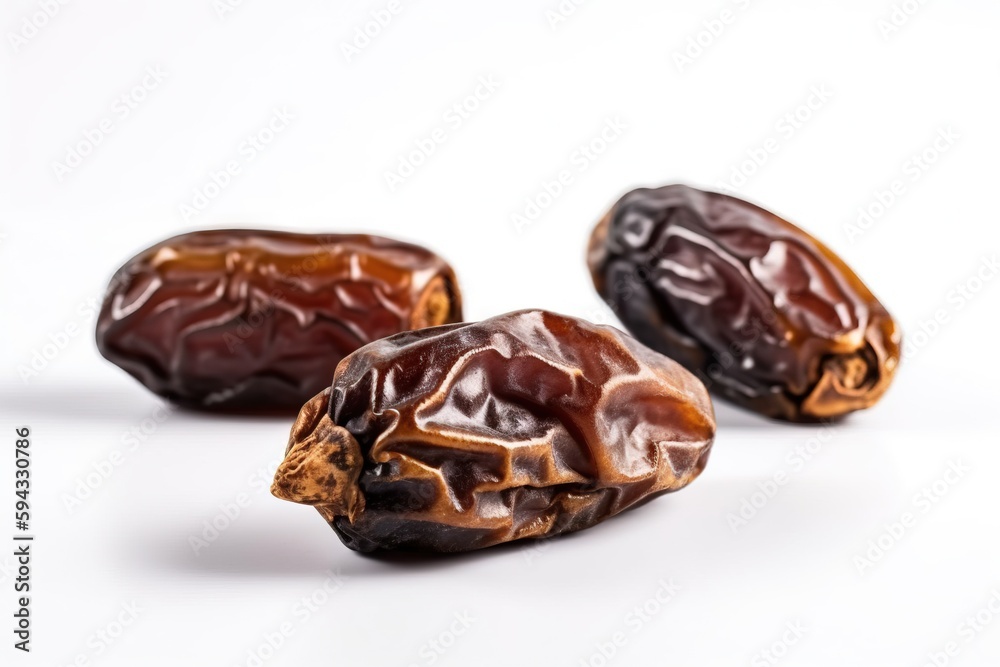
x=525, y=425
x=258, y=320
x=761, y=311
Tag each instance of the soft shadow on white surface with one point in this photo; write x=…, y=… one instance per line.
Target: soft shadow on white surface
x=729, y=416
x=265, y=551
x=78, y=401
x=694, y=525
x=278, y=550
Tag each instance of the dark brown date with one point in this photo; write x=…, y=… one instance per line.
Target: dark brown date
x=526, y=425
x=763, y=313
x=258, y=320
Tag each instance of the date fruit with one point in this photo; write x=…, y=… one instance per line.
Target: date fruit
x=763, y=313
x=258, y=320
x=526, y=425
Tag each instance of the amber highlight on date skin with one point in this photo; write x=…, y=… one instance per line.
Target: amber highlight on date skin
x=762, y=312
x=526, y=425
x=242, y=320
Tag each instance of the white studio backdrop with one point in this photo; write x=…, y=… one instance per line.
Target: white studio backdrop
x=497, y=135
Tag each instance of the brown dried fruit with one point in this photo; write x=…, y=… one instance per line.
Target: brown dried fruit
x=241, y=319
x=529, y=424
x=761, y=311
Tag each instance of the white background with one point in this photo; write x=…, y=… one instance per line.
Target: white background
x=890, y=92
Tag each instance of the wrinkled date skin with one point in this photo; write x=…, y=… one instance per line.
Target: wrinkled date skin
x=763, y=313
x=526, y=425
x=238, y=320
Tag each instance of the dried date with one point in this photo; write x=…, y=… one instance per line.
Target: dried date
x=526, y=425
x=765, y=314
x=258, y=320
